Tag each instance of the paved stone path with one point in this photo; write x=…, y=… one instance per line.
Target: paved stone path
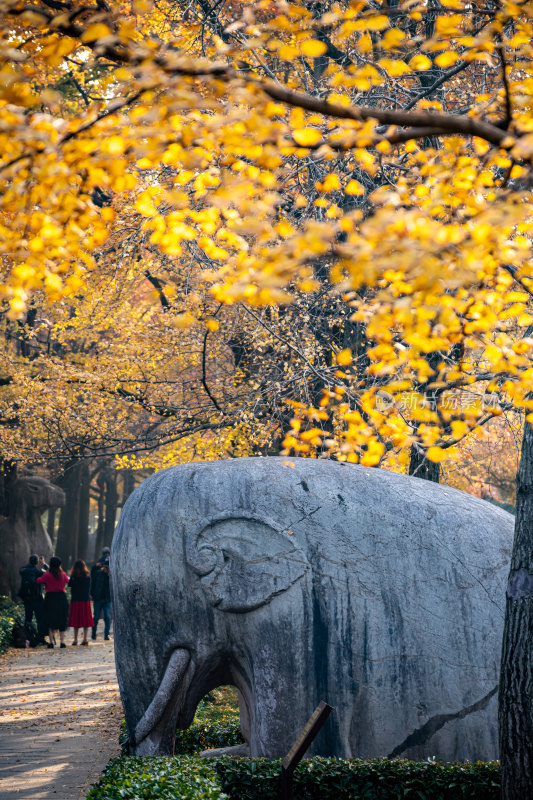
x=60, y=716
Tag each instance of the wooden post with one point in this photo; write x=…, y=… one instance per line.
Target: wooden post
x=302, y=743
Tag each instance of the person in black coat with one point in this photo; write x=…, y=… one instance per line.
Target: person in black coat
x=101, y=595
x=31, y=593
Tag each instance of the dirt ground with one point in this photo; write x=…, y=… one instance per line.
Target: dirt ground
x=60, y=716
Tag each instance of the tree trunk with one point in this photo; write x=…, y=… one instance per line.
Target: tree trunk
x=128, y=484
x=111, y=504
x=100, y=481
x=516, y=678
x=51, y=526
x=8, y=474
x=422, y=467
x=84, y=508
x=67, y=535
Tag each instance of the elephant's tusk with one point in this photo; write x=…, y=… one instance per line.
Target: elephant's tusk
x=178, y=663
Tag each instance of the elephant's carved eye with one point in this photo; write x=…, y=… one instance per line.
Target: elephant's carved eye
x=243, y=563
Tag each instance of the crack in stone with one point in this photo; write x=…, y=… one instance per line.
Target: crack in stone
x=465, y=566
x=305, y=516
x=423, y=734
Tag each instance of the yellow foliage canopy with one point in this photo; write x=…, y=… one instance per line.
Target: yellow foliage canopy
x=382, y=159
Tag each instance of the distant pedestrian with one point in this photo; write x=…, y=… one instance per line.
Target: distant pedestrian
x=55, y=601
x=31, y=594
x=80, y=615
x=101, y=594
x=105, y=554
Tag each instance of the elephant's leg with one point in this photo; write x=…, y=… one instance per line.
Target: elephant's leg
x=244, y=714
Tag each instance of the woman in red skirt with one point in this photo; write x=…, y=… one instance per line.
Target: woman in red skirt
x=80, y=605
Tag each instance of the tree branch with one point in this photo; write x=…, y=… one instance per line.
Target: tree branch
x=172, y=64
x=204, y=374
x=156, y=283
x=508, y=109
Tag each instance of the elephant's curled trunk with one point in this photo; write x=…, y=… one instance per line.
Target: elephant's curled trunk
x=174, y=674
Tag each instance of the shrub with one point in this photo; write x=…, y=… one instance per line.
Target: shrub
x=136, y=778
x=193, y=778
x=10, y=613
x=204, y=735
x=124, y=739
x=351, y=779
x=216, y=723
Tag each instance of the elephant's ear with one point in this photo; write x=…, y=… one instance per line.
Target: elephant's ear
x=244, y=561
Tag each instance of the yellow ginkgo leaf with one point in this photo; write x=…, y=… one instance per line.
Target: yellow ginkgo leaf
x=392, y=38
x=447, y=58
x=377, y=23
x=95, y=32
x=449, y=25
x=459, y=428
x=330, y=183
x=307, y=137
x=313, y=48
x=420, y=62
x=145, y=206
x=344, y=357
x=114, y=145
x=436, y=454
x=364, y=45
x=288, y=52
x=394, y=66
x=354, y=187
x=373, y=454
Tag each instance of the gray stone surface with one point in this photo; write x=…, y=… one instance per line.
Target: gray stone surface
x=379, y=593
x=22, y=533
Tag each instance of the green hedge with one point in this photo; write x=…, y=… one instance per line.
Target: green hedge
x=135, y=778
x=351, y=779
x=204, y=735
x=10, y=613
x=216, y=723
x=193, y=778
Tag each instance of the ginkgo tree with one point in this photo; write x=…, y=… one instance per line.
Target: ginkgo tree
x=376, y=151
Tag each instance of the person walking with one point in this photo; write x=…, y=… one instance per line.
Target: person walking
x=80, y=615
x=55, y=601
x=31, y=594
x=101, y=594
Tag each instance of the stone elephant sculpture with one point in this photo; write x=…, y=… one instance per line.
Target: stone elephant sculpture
x=22, y=532
x=382, y=594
